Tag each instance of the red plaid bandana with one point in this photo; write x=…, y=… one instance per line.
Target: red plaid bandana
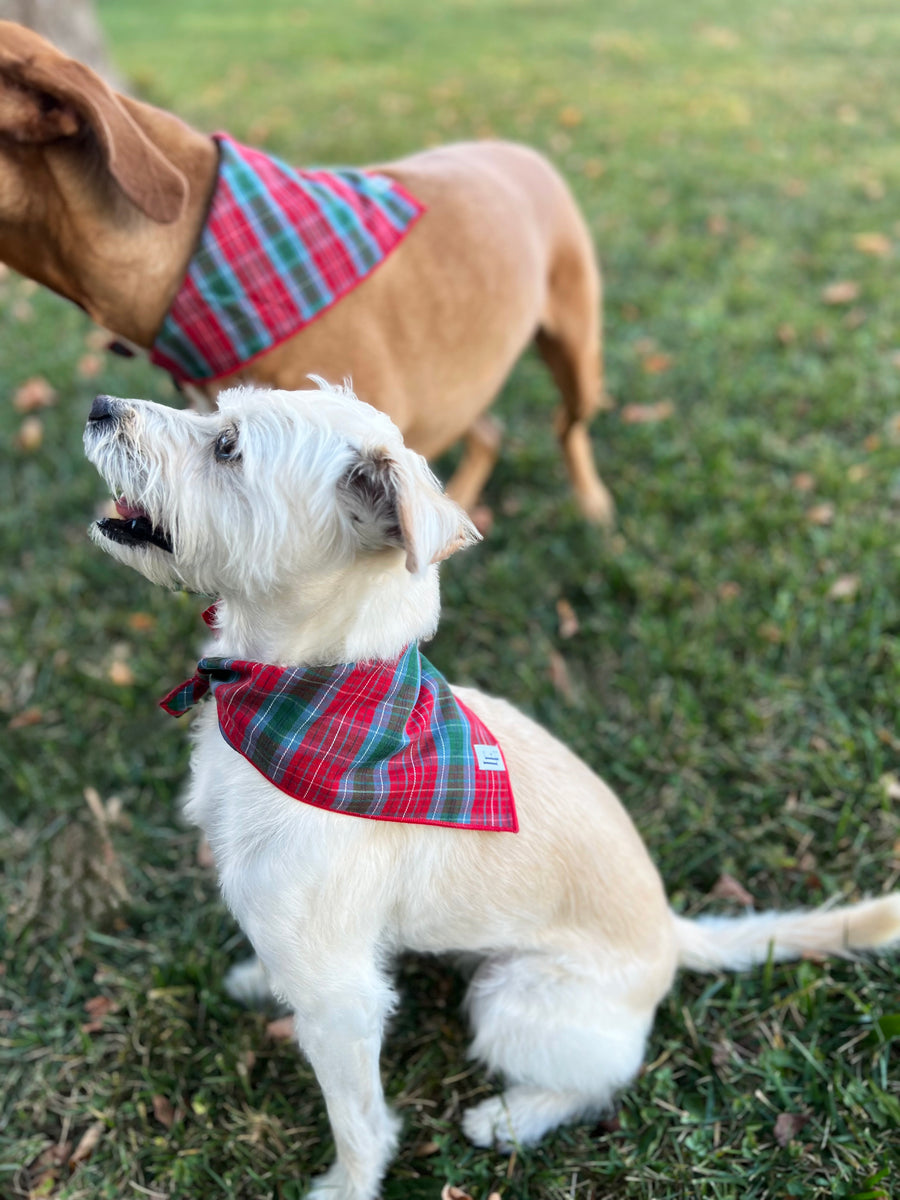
x=278, y=248
x=388, y=741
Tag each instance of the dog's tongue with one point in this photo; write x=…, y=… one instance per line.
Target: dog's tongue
x=127, y=511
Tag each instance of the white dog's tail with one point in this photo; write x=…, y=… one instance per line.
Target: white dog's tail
x=735, y=943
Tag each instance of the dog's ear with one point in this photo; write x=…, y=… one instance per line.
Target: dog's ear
x=45, y=97
x=397, y=501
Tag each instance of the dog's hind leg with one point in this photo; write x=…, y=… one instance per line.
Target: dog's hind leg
x=482, y=445
x=569, y=341
x=566, y=1035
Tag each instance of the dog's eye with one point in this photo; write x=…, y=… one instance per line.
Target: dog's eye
x=226, y=446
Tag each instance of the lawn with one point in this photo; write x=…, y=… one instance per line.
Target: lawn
x=727, y=658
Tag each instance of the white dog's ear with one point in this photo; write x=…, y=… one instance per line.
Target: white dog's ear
x=397, y=501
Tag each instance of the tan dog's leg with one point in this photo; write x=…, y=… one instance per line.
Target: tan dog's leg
x=569, y=343
x=481, y=449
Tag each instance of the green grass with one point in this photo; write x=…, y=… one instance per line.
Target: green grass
x=727, y=157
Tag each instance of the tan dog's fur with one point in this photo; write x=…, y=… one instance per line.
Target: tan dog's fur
x=102, y=199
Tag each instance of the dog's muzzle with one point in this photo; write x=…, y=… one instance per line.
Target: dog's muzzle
x=133, y=526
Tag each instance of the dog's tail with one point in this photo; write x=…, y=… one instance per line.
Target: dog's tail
x=735, y=943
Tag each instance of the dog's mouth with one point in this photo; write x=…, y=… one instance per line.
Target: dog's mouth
x=133, y=527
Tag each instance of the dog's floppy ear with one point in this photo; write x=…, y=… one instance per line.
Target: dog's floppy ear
x=45, y=97
x=397, y=501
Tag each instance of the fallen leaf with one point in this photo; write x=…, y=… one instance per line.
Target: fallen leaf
x=803, y=482
x=844, y=588
x=879, y=245
x=570, y=116
x=142, y=622
x=121, y=674
x=204, y=854
x=727, y=887
x=28, y=716
x=787, y=334
x=655, y=364
x=33, y=394
x=483, y=519
x=871, y=443
x=99, y=1006
x=843, y=291
x=449, y=1192
x=891, y=785
x=89, y=366
x=568, y=621
x=30, y=435
x=770, y=632
x=88, y=1143
x=281, y=1029
x=820, y=514
x=425, y=1149
x=163, y=1111
x=647, y=414
x=560, y=677
x=788, y=1125
x=729, y=590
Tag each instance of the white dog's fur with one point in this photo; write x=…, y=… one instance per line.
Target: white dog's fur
x=320, y=540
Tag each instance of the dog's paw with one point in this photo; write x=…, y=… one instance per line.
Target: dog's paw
x=490, y=1124
x=335, y=1184
x=248, y=983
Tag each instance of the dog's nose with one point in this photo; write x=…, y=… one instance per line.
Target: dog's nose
x=103, y=408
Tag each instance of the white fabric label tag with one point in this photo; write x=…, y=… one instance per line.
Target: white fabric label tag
x=489, y=758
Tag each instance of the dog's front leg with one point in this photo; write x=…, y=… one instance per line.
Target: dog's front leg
x=339, y=1018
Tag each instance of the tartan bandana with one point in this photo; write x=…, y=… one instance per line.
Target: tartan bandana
x=386, y=740
x=278, y=248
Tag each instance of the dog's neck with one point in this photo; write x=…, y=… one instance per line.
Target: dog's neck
x=365, y=613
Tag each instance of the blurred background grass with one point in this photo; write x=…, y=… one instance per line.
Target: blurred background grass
x=728, y=659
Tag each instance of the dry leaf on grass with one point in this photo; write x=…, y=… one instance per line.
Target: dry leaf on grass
x=570, y=116
x=121, y=674
x=879, y=245
x=788, y=1125
x=647, y=414
x=560, y=677
x=844, y=588
x=803, y=482
x=842, y=291
x=33, y=394
x=28, y=716
x=89, y=366
x=727, y=887
x=786, y=334
x=163, y=1111
x=141, y=622
x=280, y=1030
x=729, y=590
x=88, y=1143
x=891, y=785
x=568, y=621
x=655, y=364
x=31, y=435
x=821, y=514
x=449, y=1192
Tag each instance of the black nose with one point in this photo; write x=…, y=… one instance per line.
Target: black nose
x=103, y=408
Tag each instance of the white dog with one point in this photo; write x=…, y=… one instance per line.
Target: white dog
x=318, y=530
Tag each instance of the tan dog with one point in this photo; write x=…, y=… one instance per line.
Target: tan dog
x=102, y=199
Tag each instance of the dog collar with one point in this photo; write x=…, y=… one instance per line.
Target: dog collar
x=386, y=740
x=278, y=248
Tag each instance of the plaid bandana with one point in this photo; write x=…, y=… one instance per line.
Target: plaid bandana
x=383, y=740
x=279, y=247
